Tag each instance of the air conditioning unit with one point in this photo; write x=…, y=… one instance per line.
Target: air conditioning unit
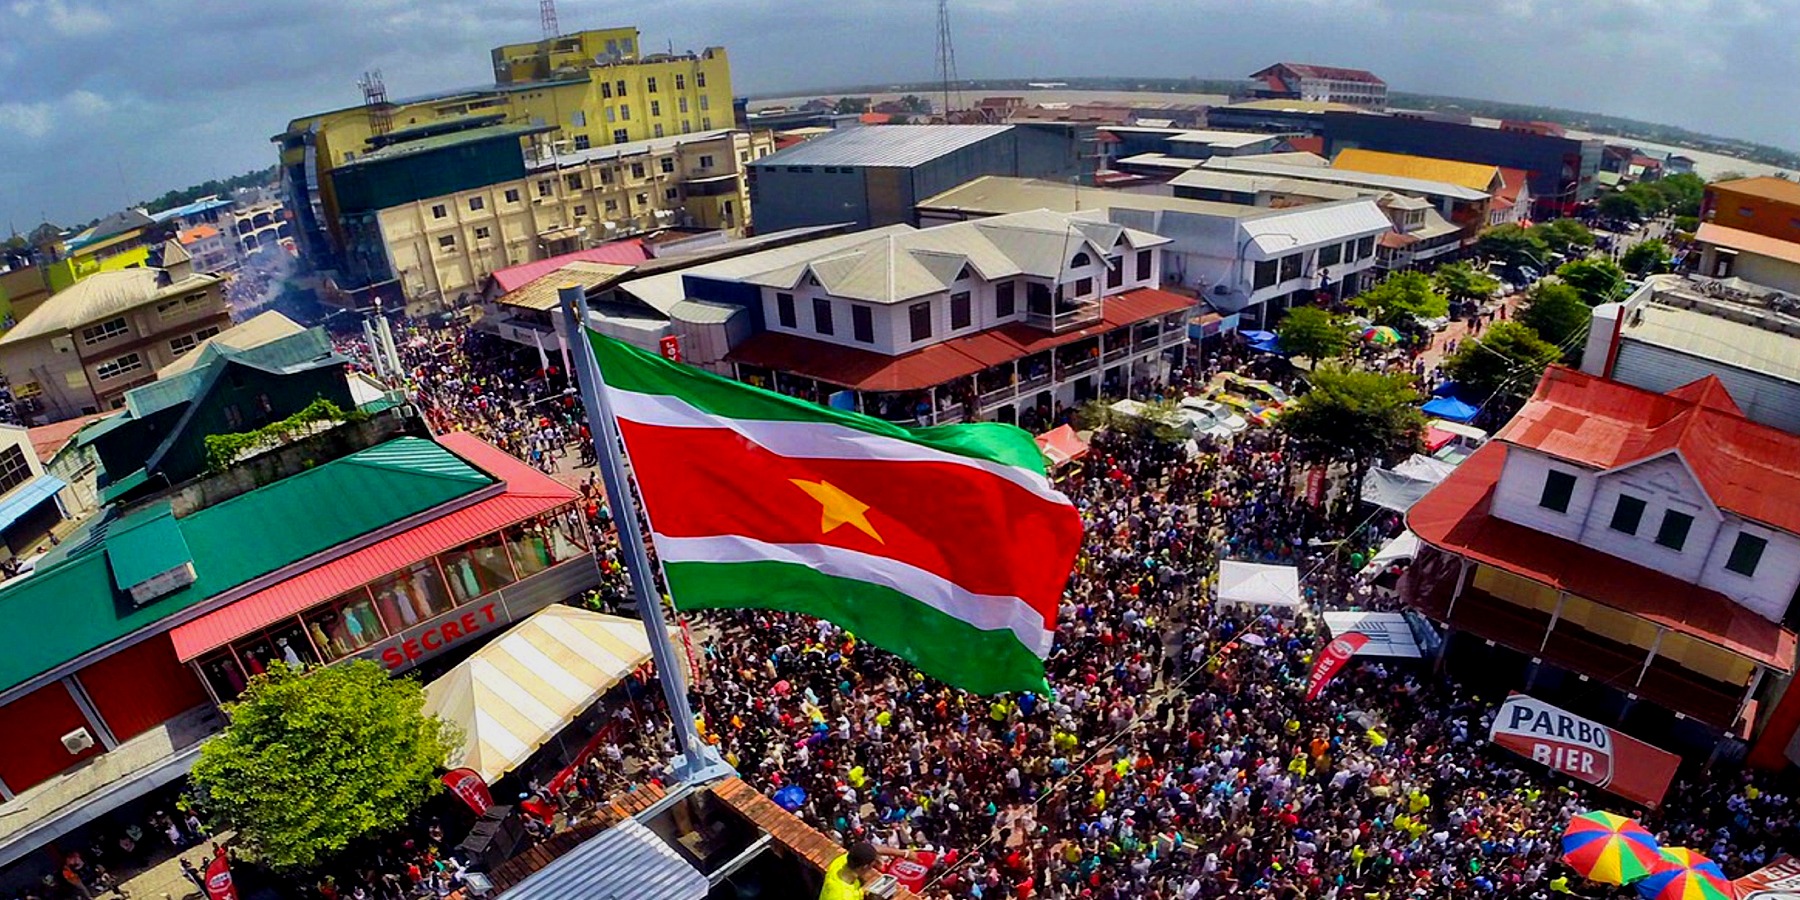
x=78, y=741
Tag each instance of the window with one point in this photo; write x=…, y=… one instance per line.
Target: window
x=656, y=107
x=1265, y=274
x=699, y=79
x=582, y=142
x=612, y=206
x=481, y=234
x=624, y=113
x=1330, y=256
x=657, y=129
x=667, y=164
x=671, y=194
x=206, y=332
x=345, y=625
x=447, y=242
x=706, y=162
x=784, y=310
x=1349, y=251
x=620, y=89
x=1674, y=531
x=612, y=115
x=105, y=331
x=573, y=181
x=1558, y=488
x=960, y=314
x=1745, y=554
x=1290, y=267
x=637, y=170
x=1004, y=304
x=14, y=470
x=822, y=316
x=680, y=82
x=512, y=195
x=581, y=211
x=703, y=104
x=1628, y=514
x=1143, y=265
x=438, y=211
x=1115, y=276
x=178, y=346
x=1365, y=247
x=682, y=105
x=606, y=92
x=862, y=324
x=1081, y=259
x=643, y=199
x=476, y=204
x=650, y=85
x=1084, y=287
x=478, y=568
x=606, y=176
x=111, y=369
x=920, y=315
x=578, y=118
x=620, y=136
x=545, y=188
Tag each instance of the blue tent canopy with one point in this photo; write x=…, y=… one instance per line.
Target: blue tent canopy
x=1262, y=341
x=1450, y=408
x=1446, y=389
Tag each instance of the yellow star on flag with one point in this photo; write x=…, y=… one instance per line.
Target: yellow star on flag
x=837, y=508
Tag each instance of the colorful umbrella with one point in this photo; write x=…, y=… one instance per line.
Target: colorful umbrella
x=1609, y=848
x=1381, y=334
x=1686, y=875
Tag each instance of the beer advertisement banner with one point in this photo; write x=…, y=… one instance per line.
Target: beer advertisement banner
x=1584, y=749
x=1779, y=880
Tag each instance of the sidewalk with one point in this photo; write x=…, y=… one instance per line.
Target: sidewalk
x=165, y=881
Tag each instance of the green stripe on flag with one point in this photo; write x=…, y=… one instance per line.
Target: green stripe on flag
x=940, y=645
x=629, y=368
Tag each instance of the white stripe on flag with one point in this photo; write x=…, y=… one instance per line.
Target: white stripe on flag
x=813, y=440
x=982, y=611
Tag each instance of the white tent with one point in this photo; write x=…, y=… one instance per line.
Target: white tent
x=1402, y=548
x=1254, y=584
x=515, y=694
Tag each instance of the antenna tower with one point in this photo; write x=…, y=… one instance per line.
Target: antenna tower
x=375, y=100
x=946, y=60
x=547, y=15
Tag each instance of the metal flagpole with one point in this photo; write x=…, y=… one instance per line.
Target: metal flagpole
x=699, y=762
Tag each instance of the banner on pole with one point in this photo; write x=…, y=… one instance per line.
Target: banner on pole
x=467, y=784
x=1584, y=749
x=1779, y=880
x=218, y=877
x=1332, y=660
x=1315, y=486
x=670, y=347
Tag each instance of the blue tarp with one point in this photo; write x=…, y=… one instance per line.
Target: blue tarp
x=1450, y=408
x=1446, y=389
x=27, y=498
x=1263, y=341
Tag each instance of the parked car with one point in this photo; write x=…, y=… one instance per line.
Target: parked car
x=1206, y=412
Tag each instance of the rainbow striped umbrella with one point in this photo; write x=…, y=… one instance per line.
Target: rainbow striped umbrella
x=1686, y=875
x=1381, y=334
x=1609, y=848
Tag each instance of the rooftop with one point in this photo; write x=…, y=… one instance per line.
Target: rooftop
x=1691, y=317
x=48, y=440
x=630, y=148
x=1751, y=469
x=205, y=204
x=99, y=296
x=1748, y=242
x=256, y=331
x=1473, y=176
x=1295, y=106
x=993, y=195
x=542, y=292
x=444, y=141
x=1766, y=186
x=1242, y=183
x=628, y=252
x=1261, y=166
x=1226, y=139
x=883, y=145
x=1334, y=73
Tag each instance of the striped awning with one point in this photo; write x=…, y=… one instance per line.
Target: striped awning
x=515, y=694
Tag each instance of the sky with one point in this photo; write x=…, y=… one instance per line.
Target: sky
x=109, y=102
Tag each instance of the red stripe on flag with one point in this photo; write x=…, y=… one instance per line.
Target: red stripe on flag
x=978, y=530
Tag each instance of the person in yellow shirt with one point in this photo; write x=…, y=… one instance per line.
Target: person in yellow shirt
x=847, y=875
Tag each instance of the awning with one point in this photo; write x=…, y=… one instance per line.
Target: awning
x=515, y=694
x=626, y=860
x=1449, y=408
x=1255, y=584
x=27, y=498
x=1060, y=445
x=1403, y=547
x=1389, y=633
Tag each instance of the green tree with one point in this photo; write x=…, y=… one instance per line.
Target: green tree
x=847, y=105
x=1646, y=257
x=1597, y=280
x=1354, y=415
x=1512, y=245
x=1400, y=299
x=1556, y=312
x=1314, y=333
x=314, y=759
x=1506, y=361
x=1622, y=205
x=1564, y=235
x=1683, y=193
x=1463, y=283
x=1687, y=224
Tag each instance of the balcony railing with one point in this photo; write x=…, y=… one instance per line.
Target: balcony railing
x=1080, y=367
x=1117, y=353
x=1065, y=319
x=1032, y=384
x=997, y=395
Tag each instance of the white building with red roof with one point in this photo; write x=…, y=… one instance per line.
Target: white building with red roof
x=1632, y=555
x=1328, y=84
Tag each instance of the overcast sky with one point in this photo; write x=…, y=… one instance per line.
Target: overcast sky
x=104, y=102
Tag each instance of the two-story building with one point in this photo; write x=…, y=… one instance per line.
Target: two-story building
x=80, y=351
x=1009, y=318
x=1629, y=555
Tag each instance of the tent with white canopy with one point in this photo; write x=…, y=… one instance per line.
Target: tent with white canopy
x=515, y=694
x=1256, y=584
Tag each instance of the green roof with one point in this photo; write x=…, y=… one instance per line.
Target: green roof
x=441, y=141
x=120, y=488
x=70, y=605
x=145, y=544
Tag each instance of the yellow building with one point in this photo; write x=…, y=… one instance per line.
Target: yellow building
x=119, y=241
x=443, y=247
x=589, y=89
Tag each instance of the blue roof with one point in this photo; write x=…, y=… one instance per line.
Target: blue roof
x=23, y=500
x=1450, y=408
x=198, y=206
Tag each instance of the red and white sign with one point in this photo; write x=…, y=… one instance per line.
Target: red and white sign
x=467, y=784
x=218, y=878
x=1584, y=749
x=1779, y=880
x=1332, y=660
x=670, y=345
x=1315, y=486
x=911, y=873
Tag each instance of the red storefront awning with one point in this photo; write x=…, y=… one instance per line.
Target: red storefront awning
x=528, y=493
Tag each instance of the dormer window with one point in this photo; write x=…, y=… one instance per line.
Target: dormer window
x=1081, y=259
x=1674, y=531
x=1558, y=488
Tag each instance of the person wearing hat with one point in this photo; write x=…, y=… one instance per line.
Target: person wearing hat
x=847, y=875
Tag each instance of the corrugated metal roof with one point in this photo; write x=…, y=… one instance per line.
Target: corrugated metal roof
x=1256, y=166
x=1280, y=231
x=882, y=145
x=528, y=493
x=625, y=862
x=1709, y=337
x=627, y=252
x=1748, y=242
x=699, y=312
x=995, y=195
x=663, y=290
x=1474, y=176
x=1222, y=138
x=630, y=148
x=101, y=295
x=145, y=544
x=24, y=498
x=542, y=293
x=253, y=332
x=442, y=141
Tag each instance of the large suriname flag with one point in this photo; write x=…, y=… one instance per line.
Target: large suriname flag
x=946, y=546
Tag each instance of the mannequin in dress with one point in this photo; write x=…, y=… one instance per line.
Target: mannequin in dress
x=287, y=653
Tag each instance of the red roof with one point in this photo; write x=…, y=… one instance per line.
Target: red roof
x=528, y=493
x=866, y=370
x=1274, y=73
x=1455, y=517
x=1307, y=144
x=1511, y=182
x=47, y=440
x=872, y=118
x=628, y=252
x=1746, y=467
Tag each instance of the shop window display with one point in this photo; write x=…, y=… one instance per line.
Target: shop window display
x=345, y=625
x=544, y=542
x=287, y=643
x=411, y=595
x=477, y=568
x=223, y=673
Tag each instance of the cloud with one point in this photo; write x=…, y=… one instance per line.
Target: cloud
x=65, y=19
x=32, y=120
